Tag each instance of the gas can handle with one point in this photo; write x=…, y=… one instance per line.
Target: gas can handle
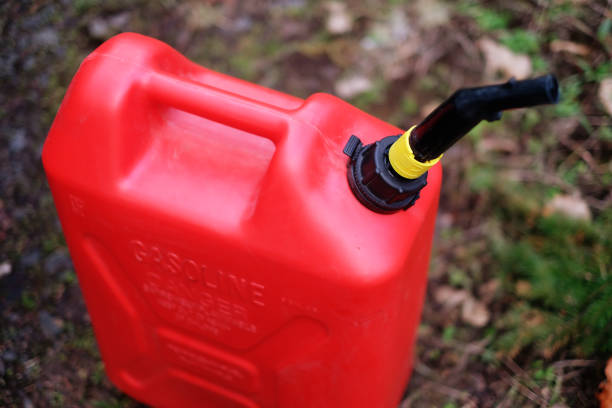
x=268, y=121
x=255, y=117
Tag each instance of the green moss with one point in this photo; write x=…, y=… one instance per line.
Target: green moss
x=29, y=300
x=596, y=73
x=605, y=133
x=569, y=105
x=539, y=64
x=487, y=19
x=481, y=177
x=604, y=29
x=410, y=106
x=458, y=278
x=449, y=333
x=521, y=41
x=57, y=399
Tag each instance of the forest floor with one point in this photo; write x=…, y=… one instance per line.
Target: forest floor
x=518, y=304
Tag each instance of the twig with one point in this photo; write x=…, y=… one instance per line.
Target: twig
x=523, y=389
x=570, y=375
x=560, y=365
x=519, y=372
x=582, y=152
x=541, y=178
x=507, y=401
x=470, y=348
x=423, y=370
x=450, y=391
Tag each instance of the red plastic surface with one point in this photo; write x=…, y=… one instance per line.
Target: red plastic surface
x=223, y=258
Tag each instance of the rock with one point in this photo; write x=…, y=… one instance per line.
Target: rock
x=571, y=206
x=499, y=58
x=47, y=37
x=339, y=20
x=98, y=28
x=18, y=141
x=50, y=326
x=58, y=261
x=474, y=312
x=9, y=356
x=353, y=86
x=102, y=28
x=27, y=403
x=5, y=268
x=605, y=94
x=30, y=258
x=119, y=21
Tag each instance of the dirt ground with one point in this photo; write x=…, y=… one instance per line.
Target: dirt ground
x=397, y=61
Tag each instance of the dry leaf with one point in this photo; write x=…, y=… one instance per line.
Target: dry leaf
x=605, y=388
x=523, y=288
x=493, y=144
x=449, y=297
x=568, y=46
x=605, y=94
x=339, y=20
x=199, y=16
x=432, y=13
x=572, y=206
x=488, y=290
x=475, y=312
x=500, y=58
x=353, y=86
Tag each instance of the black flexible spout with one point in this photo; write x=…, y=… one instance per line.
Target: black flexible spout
x=467, y=107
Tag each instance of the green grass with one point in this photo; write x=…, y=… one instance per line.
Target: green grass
x=565, y=264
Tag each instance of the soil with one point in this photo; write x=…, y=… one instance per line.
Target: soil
x=48, y=353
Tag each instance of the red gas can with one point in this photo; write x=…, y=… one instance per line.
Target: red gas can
x=224, y=259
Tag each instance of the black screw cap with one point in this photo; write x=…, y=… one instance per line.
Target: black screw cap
x=373, y=180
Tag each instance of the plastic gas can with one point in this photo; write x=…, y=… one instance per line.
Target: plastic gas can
x=229, y=252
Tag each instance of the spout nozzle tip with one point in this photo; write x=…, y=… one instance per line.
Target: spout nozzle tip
x=551, y=86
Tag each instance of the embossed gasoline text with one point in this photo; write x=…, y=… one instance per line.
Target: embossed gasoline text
x=194, y=294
